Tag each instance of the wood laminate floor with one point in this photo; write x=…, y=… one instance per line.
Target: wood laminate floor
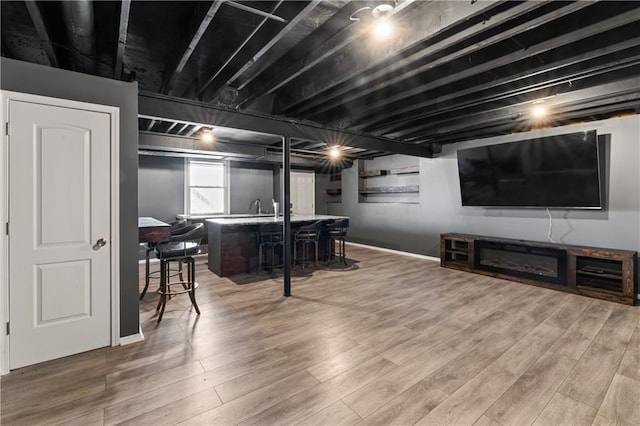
x=389, y=340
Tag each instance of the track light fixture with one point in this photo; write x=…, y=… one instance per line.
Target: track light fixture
x=334, y=152
x=207, y=135
x=378, y=17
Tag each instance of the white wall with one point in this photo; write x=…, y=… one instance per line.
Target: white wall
x=416, y=228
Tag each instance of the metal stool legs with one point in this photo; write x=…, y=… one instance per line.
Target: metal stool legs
x=305, y=252
x=339, y=253
x=148, y=274
x=189, y=286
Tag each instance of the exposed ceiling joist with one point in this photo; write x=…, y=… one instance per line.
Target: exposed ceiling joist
x=379, y=83
x=79, y=21
x=176, y=67
x=41, y=28
x=606, y=94
x=361, y=63
x=334, y=45
x=194, y=129
x=399, y=117
x=160, y=106
x=188, y=144
x=125, y=8
x=270, y=43
x=181, y=144
x=210, y=80
x=530, y=51
x=254, y=10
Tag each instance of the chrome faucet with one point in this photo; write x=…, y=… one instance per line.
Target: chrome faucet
x=258, y=204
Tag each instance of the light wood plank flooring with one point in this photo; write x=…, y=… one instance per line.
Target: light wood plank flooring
x=389, y=340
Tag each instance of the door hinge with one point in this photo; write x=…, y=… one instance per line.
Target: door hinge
x=6, y=128
x=7, y=230
x=7, y=328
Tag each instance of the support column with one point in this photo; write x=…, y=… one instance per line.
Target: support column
x=286, y=210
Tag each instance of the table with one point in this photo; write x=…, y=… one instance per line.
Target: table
x=152, y=230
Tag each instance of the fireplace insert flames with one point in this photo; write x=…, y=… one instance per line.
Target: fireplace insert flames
x=543, y=264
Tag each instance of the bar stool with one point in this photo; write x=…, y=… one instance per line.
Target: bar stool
x=269, y=239
x=180, y=249
x=177, y=226
x=337, y=231
x=307, y=235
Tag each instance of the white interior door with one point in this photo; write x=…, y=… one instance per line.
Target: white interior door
x=59, y=231
x=303, y=192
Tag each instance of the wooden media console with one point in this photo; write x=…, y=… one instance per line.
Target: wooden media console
x=596, y=272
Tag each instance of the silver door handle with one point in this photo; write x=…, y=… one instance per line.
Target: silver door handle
x=101, y=243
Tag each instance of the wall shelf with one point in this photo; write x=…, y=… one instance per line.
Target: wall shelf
x=334, y=177
x=373, y=173
x=334, y=191
x=404, y=170
x=595, y=272
x=390, y=190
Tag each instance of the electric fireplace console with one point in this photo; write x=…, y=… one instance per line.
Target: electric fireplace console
x=597, y=272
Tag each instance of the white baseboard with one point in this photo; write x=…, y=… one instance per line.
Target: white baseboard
x=132, y=338
x=403, y=253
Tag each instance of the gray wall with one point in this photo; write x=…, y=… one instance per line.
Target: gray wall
x=161, y=187
x=247, y=182
x=416, y=227
x=24, y=77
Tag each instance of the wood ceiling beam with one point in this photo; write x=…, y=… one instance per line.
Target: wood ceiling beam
x=255, y=11
x=174, y=69
x=382, y=105
x=407, y=72
x=183, y=128
x=363, y=62
x=293, y=23
x=561, y=106
x=220, y=85
x=343, y=38
x=194, y=129
x=189, y=145
x=125, y=8
x=445, y=103
x=171, y=108
x=41, y=28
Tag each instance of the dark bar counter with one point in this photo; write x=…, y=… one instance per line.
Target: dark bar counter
x=232, y=241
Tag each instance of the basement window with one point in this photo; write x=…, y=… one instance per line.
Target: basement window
x=206, y=187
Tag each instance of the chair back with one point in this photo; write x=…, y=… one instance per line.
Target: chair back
x=338, y=228
x=270, y=233
x=184, y=244
x=309, y=232
x=177, y=225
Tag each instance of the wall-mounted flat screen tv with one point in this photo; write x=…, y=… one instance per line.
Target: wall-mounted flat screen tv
x=559, y=171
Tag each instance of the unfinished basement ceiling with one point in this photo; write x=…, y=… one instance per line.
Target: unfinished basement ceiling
x=451, y=71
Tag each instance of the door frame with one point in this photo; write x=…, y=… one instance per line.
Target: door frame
x=114, y=113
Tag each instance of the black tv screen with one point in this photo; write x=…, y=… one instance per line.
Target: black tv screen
x=557, y=171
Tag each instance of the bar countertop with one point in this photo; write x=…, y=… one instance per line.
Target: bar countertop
x=257, y=220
